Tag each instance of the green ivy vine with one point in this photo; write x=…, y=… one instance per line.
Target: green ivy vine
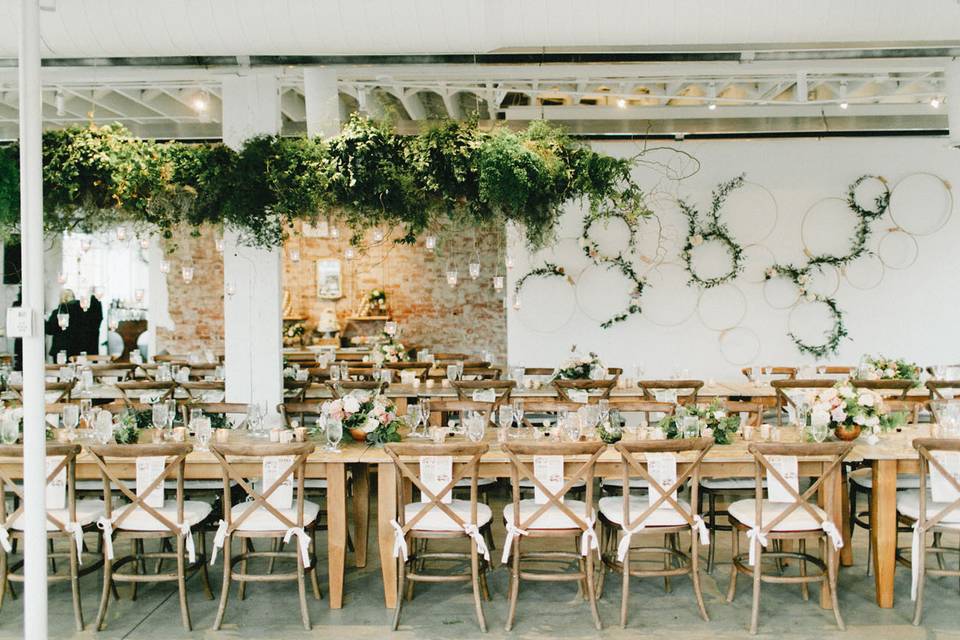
x=626, y=268
x=548, y=270
x=711, y=230
x=881, y=203
x=832, y=342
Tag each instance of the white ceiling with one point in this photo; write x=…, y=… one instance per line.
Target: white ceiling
x=101, y=28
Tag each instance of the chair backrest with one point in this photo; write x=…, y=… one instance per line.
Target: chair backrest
x=120, y=370
x=943, y=389
x=349, y=356
x=466, y=389
x=243, y=454
x=403, y=454
x=538, y=371
x=60, y=391
x=172, y=359
x=753, y=411
x=521, y=454
x=783, y=388
x=201, y=370
x=69, y=453
x=901, y=387
x=95, y=357
x=343, y=387
x=909, y=407
x=481, y=373
x=650, y=387
x=836, y=370
x=634, y=461
x=928, y=448
x=784, y=372
x=174, y=455
x=135, y=391
x=215, y=408
x=419, y=369
x=440, y=410
x=451, y=356
x=302, y=411
x=566, y=389
x=649, y=408
x=199, y=390
x=831, y=455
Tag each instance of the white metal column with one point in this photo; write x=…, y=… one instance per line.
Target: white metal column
x=252, y=315
x=952, y=79
x=322, y=101
x=31, y=230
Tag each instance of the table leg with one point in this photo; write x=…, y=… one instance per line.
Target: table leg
x=846, y=554
x=832, y=497
x=361, y=512
x=386, y=511
x=883, y=529
x=336, y=530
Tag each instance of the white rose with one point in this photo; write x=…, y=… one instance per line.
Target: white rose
x=888, y=373
x=370, y=425
x=828, y=395
x=866, y=400
x=720, y=415
x=860, y=419
x=351, y=404
x=820, y=417
x=696, y=240
x=846, y=391
x=838, y=414
x=873, y=421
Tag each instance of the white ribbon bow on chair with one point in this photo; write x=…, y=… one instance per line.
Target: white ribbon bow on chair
x=188, y=540
x=399, y=541
x=701, y=527
x=77, y=531
x=219, y=539
x=303, y=543
x=589, y=540
x=5, y=539
x=512, y=534
x=757, y=535
x=833, y=533
x=105, y=524
x=473, y=531
x=624, y=547
x=917, y=557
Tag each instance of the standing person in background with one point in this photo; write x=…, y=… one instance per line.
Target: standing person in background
x=18, y=342
x=89, y=318
x=63, y=338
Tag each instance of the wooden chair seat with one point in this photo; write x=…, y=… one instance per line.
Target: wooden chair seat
x=552, y=517
x=263, y=520
x=194, y=512
x=744, y=512
x=611, y=508
x=436, y=520
x=88, y=512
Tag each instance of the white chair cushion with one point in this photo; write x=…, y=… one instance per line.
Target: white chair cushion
x=908, y=504
x=552, y=518
x=729, y=484
x=88, y=511
x=527, y=483
x=263, y=520
x=437, y=520
x=612, y=509
x=635, y=483
x=864, y=478
x=481, y=482
x=194, y=511
x=744, y=511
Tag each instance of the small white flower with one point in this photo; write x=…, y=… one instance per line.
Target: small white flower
x=860, y=419
x=888, y=373
x=351, y=404
x=846, y=391
x=803, y=279
x=819, y=416
x=873, y=421
x=771, y=272
x=866, y=400
x=838, y=415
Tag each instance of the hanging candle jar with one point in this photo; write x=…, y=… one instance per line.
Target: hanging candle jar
x=498, y=283
x=509, y=262
x=294, y=254
x=187, y=274
x=335, y=233
x=430, y=242
x=218, y=244
x=121, y=233
x=145, y=243
x=231, y=289
x=378, y=235
x=164, y=266
x=474, y=267
x=349, y=253
x=452, y=276
x=516, y=301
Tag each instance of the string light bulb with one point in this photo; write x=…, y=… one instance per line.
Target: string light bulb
x=935, y=102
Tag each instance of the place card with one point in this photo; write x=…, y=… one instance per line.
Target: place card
x=578, y=395
x=940, y=488
x=549, y=471
x=435, y=473
x=273, y=468
x=484, y=395
x=57, y=487
x=787, y=467
x=662, y=467
x=148, y=469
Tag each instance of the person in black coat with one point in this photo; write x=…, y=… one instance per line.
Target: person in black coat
x=18, y=342
x=63, y=339
x=88, y=319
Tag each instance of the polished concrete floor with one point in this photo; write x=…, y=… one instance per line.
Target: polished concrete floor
x=545, y=610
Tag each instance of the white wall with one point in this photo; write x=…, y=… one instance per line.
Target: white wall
x=912, y=312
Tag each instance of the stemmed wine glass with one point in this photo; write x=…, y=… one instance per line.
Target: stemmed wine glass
x=476, y=425
x=334, y=431
x=518, y=412
x=159, y=412
x=255, y=420
x=71, y=418
x=203, y=431
x=604, y=408
x=86, y=411
x=425, y=415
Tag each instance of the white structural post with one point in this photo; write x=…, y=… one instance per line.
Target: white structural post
x=31, y=231
x=322, y=100
x=252, y=315
x=952, y=79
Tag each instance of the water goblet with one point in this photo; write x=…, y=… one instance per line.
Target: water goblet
x=334, y=432
x=518, y=411
x=476, y=427
x=71, y=418
x=425, y=415
x=9, y=430
x=504, y=416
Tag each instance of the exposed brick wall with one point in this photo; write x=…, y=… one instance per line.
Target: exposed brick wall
x=196, y=308
x=468, y=318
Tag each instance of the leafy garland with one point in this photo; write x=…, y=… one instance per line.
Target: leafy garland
x=590, y=247
x=548, y=270
x=832, y=342
x=626, y=268
x=97, y=178
x=712, y=230
x=880, y=203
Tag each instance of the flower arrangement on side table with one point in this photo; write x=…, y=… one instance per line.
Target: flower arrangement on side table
x=714, y=421
x=882, y=368
x=578, y=367
x=368, y=418
x=393, y=351
x=847, y=410
x=375, y=304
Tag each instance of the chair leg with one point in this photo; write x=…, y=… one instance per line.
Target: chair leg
x=105, y=596
x=921, y=577
x=204, y=574
x=591, y=594
x=832, y=564
x=242, y=590
x=401, y=577
x=624, y=589
x=475, y=582
x=314, y=579
x=667, y=560
x=514, y=584
x=75, y=585
x=302, y=591
x=755, y=611
x=712, y=528
x=53, y=561
x=938, y=542
x=182, y=583
x=695, y=574
x=804, y=588
x=735, y=550
x=3, y=575
x=225, y=586
x=138, y=565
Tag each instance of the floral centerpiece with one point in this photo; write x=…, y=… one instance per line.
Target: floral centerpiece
x=882, y=368
x=127, y=428
x=714, y=421
x=847, y=410
x=370, y=418
x=375, y=304
x=577, y=367
x=393, y=351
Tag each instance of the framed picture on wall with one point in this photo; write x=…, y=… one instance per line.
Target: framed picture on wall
x=329, y=285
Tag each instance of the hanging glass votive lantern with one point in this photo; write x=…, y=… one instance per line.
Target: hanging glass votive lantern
x=349, y=253
x=474, y=267
x=164, y=266
x=187, y=274
x=430, y=242
x=509, y=262
x=85, y=244
x=335, y=233
x=218, y=243
x=121, y=234
x=516, y=301
x=230, y=289
x=145, y=242
x=378, y=235
x=498, y=283
x=452, y=276
x=294, y=254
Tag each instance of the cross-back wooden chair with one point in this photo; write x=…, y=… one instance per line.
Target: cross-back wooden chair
x=622, y=517
x=120, y=370
x=836, y=371
x=480, y=373
x=470, y=389
x=433, y=518
x=538, y=371
x=652, y=411
x=750, y=414
x=442, y=410
x=361, y=373
x=295, y=390
x=138, y=520
x=344, y=387
x=198, y=391
x=135, y=391
x=92, y=358
x=319, y=374
x=920, y=510
x=555, y=518
x=692, y=387
x=943, y=389
x=257, y=518
x=67, y=524
x=199, y=371
x=784, y=388
x=419, y=369
x=451, y=356
x=170, y=358
x=899, y=388
x=568, y=389
x=54, y=391
x=349, y=356
x=788, y=373
x=766, y=520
